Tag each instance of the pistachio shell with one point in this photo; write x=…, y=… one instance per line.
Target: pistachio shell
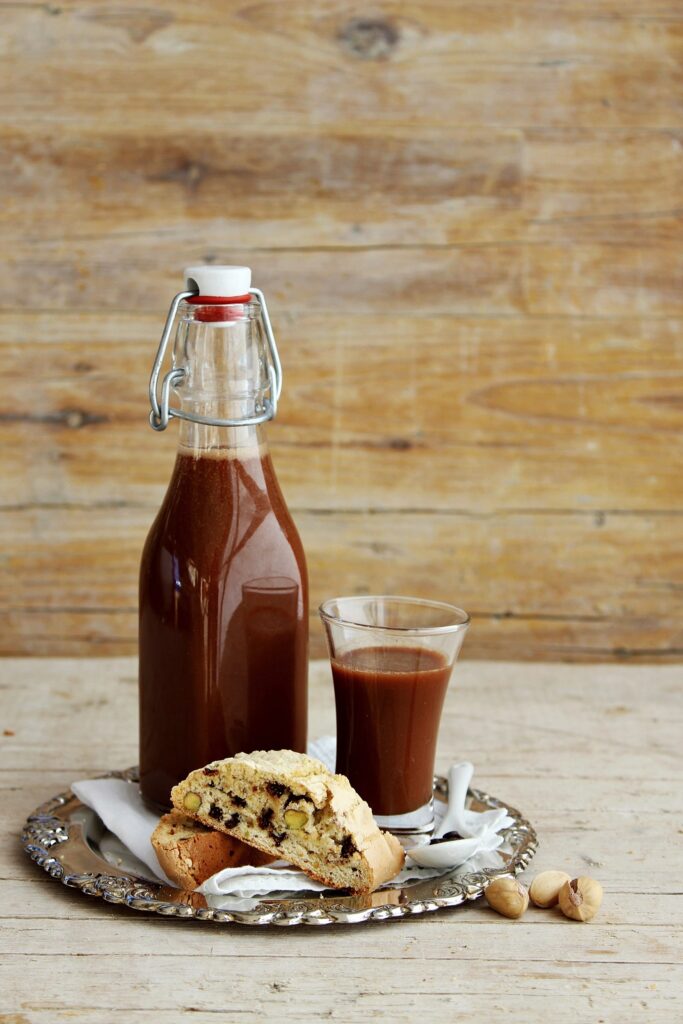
x=580, y=898
x=544, y=891
x=507, y=896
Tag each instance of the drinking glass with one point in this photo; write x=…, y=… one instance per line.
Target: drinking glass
x=392, y=659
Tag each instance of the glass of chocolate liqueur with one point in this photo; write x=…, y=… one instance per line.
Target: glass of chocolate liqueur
x=392, y=659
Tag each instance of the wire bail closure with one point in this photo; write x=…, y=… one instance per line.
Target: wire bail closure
x=162, y=411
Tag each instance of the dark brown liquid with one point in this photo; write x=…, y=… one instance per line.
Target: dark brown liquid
x=223, y=621
x=389, y=702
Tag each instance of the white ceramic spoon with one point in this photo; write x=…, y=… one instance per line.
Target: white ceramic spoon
x=456, y=851
x=444, y=855
x=459, y=778
x=457, y=819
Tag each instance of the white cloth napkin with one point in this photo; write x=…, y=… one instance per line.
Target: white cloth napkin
x=120, y=807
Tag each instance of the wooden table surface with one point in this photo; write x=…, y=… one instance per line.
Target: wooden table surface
x=590, y=753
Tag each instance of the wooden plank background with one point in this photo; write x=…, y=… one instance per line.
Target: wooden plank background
x=467, y=219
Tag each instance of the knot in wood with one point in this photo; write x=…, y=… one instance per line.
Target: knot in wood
x=369, y=38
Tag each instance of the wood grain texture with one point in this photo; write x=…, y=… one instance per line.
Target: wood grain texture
x=467, y=185
x=520, y=64
x=467, y=219
x=564, y=743
x=79, y=585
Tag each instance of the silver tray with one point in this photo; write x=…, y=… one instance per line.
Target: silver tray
x=70, y=842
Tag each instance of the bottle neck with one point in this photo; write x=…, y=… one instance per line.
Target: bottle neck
x=203, y=439
x=223, y=356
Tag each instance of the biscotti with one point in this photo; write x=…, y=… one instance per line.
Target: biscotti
x=190, y=853
x=290, y=806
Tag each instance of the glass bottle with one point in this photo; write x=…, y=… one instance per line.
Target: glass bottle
x=223, y=634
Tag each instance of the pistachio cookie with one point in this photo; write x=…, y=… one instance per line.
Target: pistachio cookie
x=189, y=853
x=288, y=805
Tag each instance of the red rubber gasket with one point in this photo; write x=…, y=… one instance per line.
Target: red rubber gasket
x=218, y=300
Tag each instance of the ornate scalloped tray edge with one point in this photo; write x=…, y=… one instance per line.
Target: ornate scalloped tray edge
x=54, y=837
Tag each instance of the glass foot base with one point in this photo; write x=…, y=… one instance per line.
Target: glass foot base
x=417, y=822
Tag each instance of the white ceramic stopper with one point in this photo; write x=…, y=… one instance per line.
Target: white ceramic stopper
x=222, y=281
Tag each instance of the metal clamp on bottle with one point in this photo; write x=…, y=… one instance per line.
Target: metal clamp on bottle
x=160, y=398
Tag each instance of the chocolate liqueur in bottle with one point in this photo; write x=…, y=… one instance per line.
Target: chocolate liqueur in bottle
x=223, y=588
